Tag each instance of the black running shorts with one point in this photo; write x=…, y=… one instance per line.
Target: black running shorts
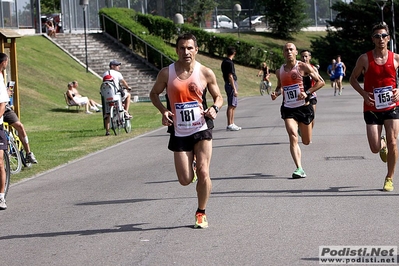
x=313, y=101
x=378, y=118
x=303, y=114
x=187, y=143
x=3, y=139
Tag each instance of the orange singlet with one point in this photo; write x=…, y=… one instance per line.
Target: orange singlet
x=186, y=102
x=292, y=84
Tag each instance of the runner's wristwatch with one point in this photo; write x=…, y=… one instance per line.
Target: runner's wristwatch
x=216, y=108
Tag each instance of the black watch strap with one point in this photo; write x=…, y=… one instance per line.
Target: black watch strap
x=216, y=108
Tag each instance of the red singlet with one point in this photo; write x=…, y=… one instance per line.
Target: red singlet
x=380, y=80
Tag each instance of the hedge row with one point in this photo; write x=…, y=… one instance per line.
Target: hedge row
x=160, y=32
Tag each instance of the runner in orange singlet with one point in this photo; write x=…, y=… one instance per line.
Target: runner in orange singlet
x=189, y=119
x=296, y=110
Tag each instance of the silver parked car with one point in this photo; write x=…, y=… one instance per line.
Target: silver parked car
x=224, y=22
x=256, y=21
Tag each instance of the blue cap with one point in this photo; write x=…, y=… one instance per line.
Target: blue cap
x=114, y=63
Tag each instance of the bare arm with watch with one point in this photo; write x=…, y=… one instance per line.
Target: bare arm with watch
x=214, y=90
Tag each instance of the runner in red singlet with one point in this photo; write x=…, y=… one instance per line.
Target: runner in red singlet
x=380, y=98
x=189, y=119
x=296, y=110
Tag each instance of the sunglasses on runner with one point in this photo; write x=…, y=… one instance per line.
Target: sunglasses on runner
x=378, y=36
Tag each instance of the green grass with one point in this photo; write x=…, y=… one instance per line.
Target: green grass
x=58, y=135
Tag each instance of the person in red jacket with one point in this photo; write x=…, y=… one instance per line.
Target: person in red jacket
x=380, y=98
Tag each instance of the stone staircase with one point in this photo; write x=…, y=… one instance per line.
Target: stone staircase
x=101, y=49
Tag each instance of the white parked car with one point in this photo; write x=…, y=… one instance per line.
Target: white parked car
x=255, y=21
x=224, y=22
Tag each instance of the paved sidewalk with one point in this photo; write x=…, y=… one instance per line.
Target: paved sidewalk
x=104, y=210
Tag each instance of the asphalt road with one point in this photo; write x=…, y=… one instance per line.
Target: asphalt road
x=124, y=206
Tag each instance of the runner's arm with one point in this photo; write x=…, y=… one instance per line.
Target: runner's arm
x=360, y=67
x=314, y=74
x=214, y=90
x=277, y=91
x=159, y=86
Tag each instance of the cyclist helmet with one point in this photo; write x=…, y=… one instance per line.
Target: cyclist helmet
x=108, y=78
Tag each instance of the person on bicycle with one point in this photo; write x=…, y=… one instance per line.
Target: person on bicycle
x=121, y=83
x=3, y=139
x=12, y=119
x=265, y=72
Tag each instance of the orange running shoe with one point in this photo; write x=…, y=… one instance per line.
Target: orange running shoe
x=200, y=220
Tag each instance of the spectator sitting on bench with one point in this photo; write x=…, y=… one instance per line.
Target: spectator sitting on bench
x=92, y=104
x=73, y=95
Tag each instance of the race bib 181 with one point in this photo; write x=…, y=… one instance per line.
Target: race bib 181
x=188, y=115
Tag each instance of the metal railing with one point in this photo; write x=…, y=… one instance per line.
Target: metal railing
x=135, y=44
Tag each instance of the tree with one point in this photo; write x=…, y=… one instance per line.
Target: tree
x=286, y=17
x=349, y=33
x=197, y=10
x=50, y=6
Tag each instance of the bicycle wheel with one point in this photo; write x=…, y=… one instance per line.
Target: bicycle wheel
x=262, y=88
x=114, y=118
x=8, y=173
x=14, y=157
x=121, y=121
x=128, y=125
x=18, y=142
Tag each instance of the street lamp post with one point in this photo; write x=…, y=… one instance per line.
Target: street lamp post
x=84, y=4
x=381, y=5
x=178, y=19
x=237, y=11
x=315, y=12
x=393, y=28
